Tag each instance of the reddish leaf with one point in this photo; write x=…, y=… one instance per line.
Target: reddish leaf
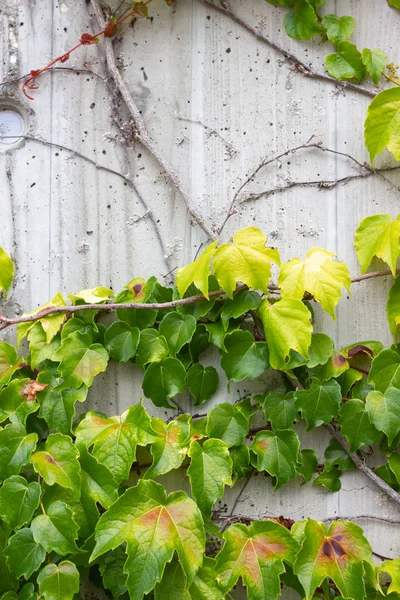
x=87, y=38
x=111, y=28
x=31, y=388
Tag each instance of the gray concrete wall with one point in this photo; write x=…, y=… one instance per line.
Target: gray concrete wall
x=78, y=210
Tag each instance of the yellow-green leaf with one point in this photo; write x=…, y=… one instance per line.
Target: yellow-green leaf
x=6, y=272
x=93, y=295
x=382, y=125
x=287, y=327
x=51, y=324
x=197, y=272
x=319, y=274
x=378, y=235
x=246, y=260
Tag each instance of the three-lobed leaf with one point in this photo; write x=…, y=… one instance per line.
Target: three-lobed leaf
x=276, y=453
x=319, y=403
x=58, y=462
x=209, y=472
x=319, y=274
x=256, y=555
x=154, y=527
x=384, y=411
x=18, y=500
x=346, y=62
x=302, y=22
x=246, y=260
x=23, y=554
x=378, y=235
x=338, y=29
x=375, y=61
x=80, y=359
x=202, y=382
x=244, y=357
x=336, y=553
x=287, y=327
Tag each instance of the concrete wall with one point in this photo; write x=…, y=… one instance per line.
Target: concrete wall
x=79, y=209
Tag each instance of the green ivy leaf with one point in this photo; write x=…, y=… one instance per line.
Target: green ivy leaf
x=16, y=404
x=276, y=453
x=80, y=360
x=152, y=347
x=56, y=531
x=394, y=465
x=164, y=380
x=202, y=382
x=58, y=463
x=15, y=449
x=320, y=351
x=114, y=439
x=346, y=63
x=319, y=403
x=178, y=330
x=256, y=554
x=228, y=423
x=384, y=411
x=381, y=128
x=39, y=348
x=141, y=318
x=154, y=526
x=279, y=409
x=242, y=303
x=9, y=362
x=121, y=341
x=18, y=500
x=57, y=407
x=197, y=272
x=335, y=456
x=355, y=425
x=385, y=370
x=375, y=61
x=393, y=308
x=329, y=479
x=24, y=556
x=336, y=553
x=392, y=568
x=338, y=29
x=6, y=272
x=246, y=260
x=302, y=22
x=209, y=472
x=59, y=582
x=28, y=592
x=287, y=327
x=173, y=585
x=319, y=274
x=98, y=482
x=112, y=571
x=240, y=456
x=244, y=357
x=307, y=464
x=379, y=236
x=170, y=451
x=51, y=324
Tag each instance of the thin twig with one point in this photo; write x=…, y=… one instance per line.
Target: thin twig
x=142, y=134
x=360, y=464
x=367, y=171
x=296, y=63
x=363, y=518
x=238, y=497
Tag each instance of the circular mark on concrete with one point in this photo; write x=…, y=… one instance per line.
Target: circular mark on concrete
x=12, y=124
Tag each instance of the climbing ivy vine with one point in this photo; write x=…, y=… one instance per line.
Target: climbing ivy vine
x=79, y=491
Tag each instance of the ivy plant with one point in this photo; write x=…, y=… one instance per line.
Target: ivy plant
x=79, y=495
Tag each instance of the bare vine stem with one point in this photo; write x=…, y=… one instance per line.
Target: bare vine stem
x=367, y=171
x=110, y=307
x=362, y=466
x=296, y=63
x=141, y=133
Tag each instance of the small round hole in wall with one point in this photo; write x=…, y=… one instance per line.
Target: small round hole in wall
x=12, y=125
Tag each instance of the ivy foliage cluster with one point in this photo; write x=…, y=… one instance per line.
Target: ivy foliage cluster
x=79, y=496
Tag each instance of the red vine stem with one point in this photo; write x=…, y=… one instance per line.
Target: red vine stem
x=86, y=39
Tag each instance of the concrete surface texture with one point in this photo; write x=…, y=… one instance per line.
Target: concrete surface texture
x=79, y=208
